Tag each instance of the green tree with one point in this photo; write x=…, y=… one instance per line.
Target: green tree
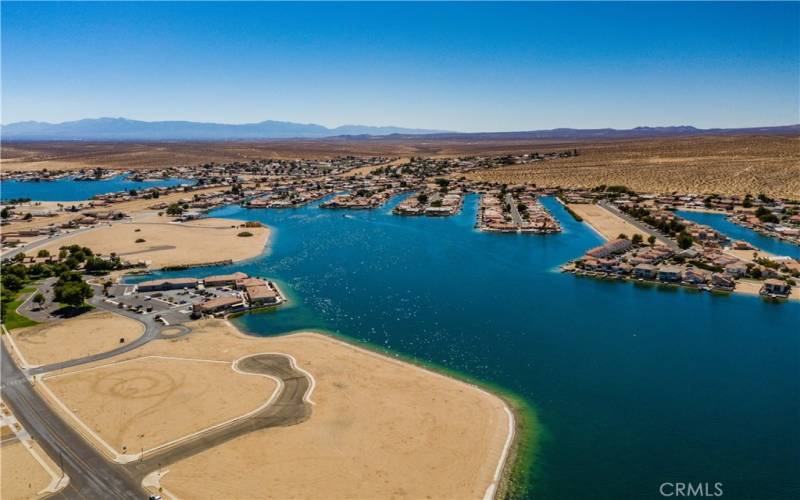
x=13, y=282
x=622, y=236
x=174, y=209
x=760, y=211
x=18, y=270
x=38, y=299
x=43, y=253
x=72, y=293
x=636, y=239
x=651, y=239
x=96, y=265
x=685, y=240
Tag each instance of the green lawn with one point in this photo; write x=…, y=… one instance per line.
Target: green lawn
x=11, y=301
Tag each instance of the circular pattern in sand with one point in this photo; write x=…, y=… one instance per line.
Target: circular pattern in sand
x=135, y=383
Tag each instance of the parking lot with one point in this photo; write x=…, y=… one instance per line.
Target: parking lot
x=169, y=306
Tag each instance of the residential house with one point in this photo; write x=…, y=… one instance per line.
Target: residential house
x=670, y=274
x=644, y=271
x=775, y=287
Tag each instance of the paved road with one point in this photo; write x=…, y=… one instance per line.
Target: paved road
x=90, y=474
x=288, y=408
x=29, y=308
x=30, y=246
x=640, y=225
x=515, y=216
x=152, y=329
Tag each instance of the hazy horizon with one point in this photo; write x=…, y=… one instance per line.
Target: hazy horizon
x=467, y=67
x=391, y=125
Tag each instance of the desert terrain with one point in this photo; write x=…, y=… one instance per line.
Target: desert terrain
x=732, y=164
x=88, y=334
x=21, y=476
x=378, y=428
x=723, y=165
x=172, y=244
x=25, y=469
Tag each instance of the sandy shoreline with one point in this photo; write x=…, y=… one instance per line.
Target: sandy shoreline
x=379, y=424
x=751, y=287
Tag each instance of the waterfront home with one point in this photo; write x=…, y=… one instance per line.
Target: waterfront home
x=167, y=284
x=695, y=276
x=644, y=271
x=616, y=246
x=621, y=268
x=589, y=264
x=775, y=287
x=722, y=281
x=669, y=273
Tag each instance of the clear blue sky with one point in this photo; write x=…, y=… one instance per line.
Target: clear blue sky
x=455, y=66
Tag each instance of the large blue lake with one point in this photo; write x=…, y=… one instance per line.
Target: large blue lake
x=633, y=385
x=68, y=189
x=737, y=232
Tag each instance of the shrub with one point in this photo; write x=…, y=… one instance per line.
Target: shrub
x=245, y=234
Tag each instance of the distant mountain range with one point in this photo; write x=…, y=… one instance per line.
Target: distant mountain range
x=567, y=134
x=123, y=129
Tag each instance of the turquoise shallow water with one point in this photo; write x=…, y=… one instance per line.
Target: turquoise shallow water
x=737, y=232
x=635, y=385
x=71, y=190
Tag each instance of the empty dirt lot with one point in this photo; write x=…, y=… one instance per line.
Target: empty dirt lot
x=85, y=335
x=147, y=402
x=21, y=476
x=604, y=222
x=171, y=244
